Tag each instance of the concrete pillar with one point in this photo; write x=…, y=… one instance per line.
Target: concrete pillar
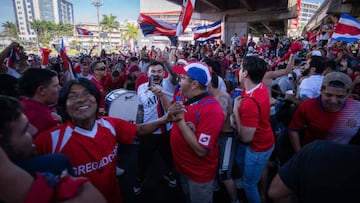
x=231, y=28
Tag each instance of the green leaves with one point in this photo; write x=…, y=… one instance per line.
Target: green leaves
x=47, y=31
x=10, y=29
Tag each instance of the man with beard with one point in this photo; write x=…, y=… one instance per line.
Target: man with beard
x=152, y=107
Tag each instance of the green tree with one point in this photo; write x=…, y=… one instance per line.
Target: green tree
x=10, y=29
x=131, y=33
x=47, y=31
x=109, y=24
x=62, y=29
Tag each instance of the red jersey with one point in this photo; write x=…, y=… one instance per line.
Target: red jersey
x=257, y=115
x=100, y=87
x=339, y=127
x=93, y=153
x=110, y=85
x=206, y=118
x=39, y=115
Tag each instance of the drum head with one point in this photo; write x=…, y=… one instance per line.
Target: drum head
x=124, y=106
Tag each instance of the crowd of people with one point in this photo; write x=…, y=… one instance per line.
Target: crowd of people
x=219, y=116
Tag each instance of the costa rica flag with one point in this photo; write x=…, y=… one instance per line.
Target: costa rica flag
x=185, y=16
x=207, y=32
x=347, y=29
x=82, y=31
x=150, y=26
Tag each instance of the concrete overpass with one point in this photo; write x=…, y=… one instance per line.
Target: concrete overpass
x=332, y=7
x=255, y=17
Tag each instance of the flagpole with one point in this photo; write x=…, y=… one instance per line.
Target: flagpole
x=97, y=4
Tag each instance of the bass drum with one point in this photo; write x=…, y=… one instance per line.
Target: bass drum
x=122, y=104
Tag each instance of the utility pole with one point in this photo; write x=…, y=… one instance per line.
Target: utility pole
x=97, y=4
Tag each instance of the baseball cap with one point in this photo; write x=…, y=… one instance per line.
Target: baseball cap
x=196, y=71
x=337, y=77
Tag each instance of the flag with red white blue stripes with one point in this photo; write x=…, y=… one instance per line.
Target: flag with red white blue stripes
x=347, y=29
x=185, y=16
x=13, y=58
x=150, y=26
x=207, y=32
x=82, y=31
x=66, y=60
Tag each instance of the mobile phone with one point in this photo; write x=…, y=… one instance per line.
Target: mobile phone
x=151, y=80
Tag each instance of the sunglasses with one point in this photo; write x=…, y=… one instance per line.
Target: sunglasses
x=102, y=68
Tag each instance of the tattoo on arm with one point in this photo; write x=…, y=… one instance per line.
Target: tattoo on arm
x=225, y=102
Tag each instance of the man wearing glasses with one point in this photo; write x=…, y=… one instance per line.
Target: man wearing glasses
x=98, y=70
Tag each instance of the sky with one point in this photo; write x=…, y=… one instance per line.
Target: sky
x=85, y=12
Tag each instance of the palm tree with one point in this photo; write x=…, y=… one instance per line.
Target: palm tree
x=131, y=33
x=109, y=24
x=62, y=29
x=10, y=29
x=47, y=30
x=42, y=31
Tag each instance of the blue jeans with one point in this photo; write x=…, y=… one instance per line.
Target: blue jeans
x=251, y=165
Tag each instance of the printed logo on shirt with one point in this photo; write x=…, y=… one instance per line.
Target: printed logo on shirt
x=204, y=139
x=93, y=166
x=351, y=123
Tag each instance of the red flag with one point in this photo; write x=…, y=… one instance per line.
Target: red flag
x=185, y=16
x=45, y=55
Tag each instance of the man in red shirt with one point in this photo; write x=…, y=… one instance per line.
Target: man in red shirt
x=252, y=120
x=41, y=90
x=194, y=137
x=98, y=68
x=114, y=81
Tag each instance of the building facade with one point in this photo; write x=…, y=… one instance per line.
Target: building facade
x=307, y=10
x=26, y=11
x=168, y=12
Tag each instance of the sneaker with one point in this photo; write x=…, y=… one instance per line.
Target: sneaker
x=139, y=184
x=119, y=171
x=170, y=179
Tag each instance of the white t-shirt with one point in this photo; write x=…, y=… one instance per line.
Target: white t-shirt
x=149, y=101
x=235, y=40
x=310, y=87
